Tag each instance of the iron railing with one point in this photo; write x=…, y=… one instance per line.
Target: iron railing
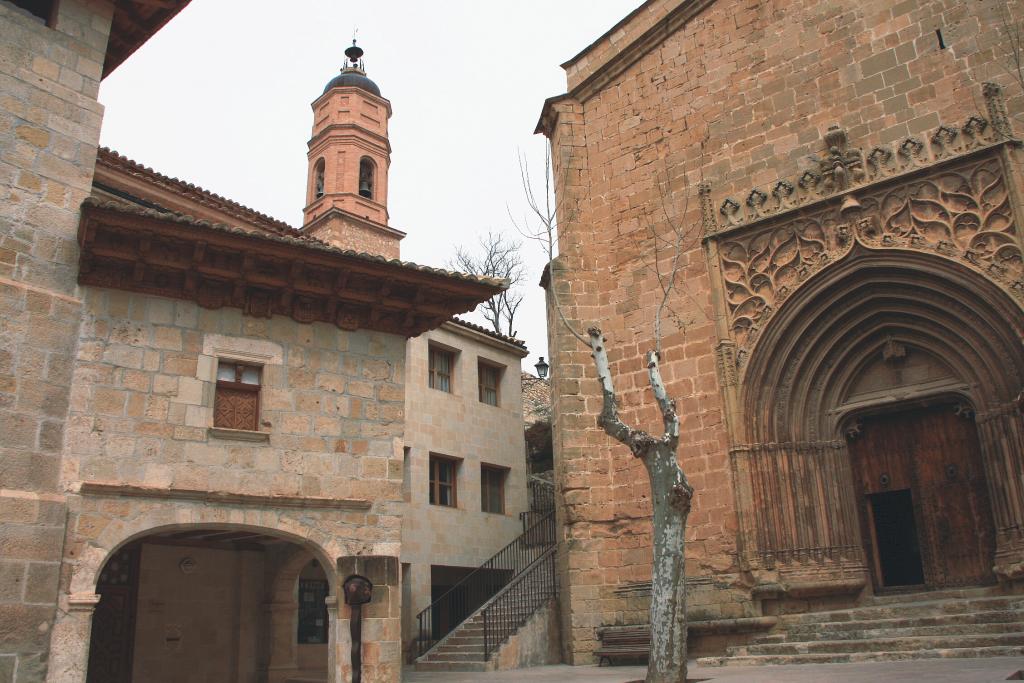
x=518, y=601
x=541, y=493
x=541, y=497
x=483, y=583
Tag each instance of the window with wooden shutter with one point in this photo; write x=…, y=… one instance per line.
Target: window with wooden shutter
x=492, y=488
x=489, y=377
x=443, y=479
x=441, y=363
x=236, y=404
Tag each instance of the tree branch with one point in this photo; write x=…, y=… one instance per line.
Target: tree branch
x=639, y=442
x=667, y=405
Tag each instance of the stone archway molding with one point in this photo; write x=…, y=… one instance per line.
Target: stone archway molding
x=911, y=246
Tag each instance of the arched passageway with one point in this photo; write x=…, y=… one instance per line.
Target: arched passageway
x=211, y=604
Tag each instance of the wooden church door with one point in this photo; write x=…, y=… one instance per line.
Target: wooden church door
x=924, y=505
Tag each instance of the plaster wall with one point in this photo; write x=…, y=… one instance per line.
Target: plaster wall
x=203, y=626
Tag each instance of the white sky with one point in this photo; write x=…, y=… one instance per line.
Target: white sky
x=221, y=97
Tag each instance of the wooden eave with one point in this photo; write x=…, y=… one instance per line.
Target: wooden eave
x=135, y=22
x=176, y=256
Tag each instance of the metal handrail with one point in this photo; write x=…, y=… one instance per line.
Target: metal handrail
x=506, y=613
x=465, y=597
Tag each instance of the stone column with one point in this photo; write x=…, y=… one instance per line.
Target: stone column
x=382, y=621
x=800, y=517
x=1001, y=433
x=69, y=644
x=282, y=635
x=332, y=638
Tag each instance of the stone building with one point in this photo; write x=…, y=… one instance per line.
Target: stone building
x=203, y=411
x=465, y=464
x=844, y=338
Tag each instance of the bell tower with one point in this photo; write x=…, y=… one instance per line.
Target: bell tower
x=349, y=155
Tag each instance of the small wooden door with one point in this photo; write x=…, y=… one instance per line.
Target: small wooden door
x=113, y=622
x=923, y=491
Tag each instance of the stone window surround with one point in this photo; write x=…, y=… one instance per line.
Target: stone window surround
x=218, y=347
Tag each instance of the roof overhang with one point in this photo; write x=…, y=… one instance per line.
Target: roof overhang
x=135, y=22
x=176, y=256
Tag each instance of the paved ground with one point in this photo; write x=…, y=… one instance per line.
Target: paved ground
x=928, y=670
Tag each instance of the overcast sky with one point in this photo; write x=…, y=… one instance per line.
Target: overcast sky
x=221, y=97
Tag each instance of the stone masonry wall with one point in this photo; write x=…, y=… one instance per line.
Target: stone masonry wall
x=49, y=132
x=331, y=402
x=739, y=95
x=331, y=407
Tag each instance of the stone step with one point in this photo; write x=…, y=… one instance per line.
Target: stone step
x=941, y=594
x=450, y=666
x=964, y=619
x=838, y=658
x=907, y=609
x=456, y=656
x=890, y=644
x=880, y=631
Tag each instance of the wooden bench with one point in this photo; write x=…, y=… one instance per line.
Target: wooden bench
x=634, y=642
x=623, y=643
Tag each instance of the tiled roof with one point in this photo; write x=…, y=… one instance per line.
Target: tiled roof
x=536, y=398
x=490, y=333
x=295, y=239
x=190, y=191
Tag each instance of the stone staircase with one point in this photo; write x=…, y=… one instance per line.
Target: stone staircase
x=463, y=649
x=977, y=622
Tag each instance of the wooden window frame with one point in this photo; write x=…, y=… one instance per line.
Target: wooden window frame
x=434, y=491
x=499, y=371
x=484, y=496
x=238, y=385
x=433, y=375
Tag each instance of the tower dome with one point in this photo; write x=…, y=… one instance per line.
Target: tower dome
x=353, y=74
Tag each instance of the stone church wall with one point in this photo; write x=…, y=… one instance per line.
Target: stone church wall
x=737, y=96
x=49, y=132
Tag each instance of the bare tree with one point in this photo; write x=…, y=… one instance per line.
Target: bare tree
x=671, y=493
x=498, y=257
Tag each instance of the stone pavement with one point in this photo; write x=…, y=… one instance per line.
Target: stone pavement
x=931, y=670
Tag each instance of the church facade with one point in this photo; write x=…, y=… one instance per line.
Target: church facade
x=837, y=190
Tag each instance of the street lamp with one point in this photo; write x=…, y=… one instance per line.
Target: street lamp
x=542, y=368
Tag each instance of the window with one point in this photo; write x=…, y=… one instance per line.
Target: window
x=489, y=376
x=441, y=364
x=318, y=180
x=44, y=9
x=313, y=590
x=492, y=488
x=442, y=480
x=236, y=404
x=366, y=169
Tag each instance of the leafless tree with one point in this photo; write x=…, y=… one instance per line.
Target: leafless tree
x=671, y=494
x=498, y=257
x=1011, y=55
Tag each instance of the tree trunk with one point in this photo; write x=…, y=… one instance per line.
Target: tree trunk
x=670, y=495
x=667, y=663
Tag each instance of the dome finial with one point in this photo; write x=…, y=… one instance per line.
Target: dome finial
x=354, y=54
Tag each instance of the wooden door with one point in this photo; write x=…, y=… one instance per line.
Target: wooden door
x=113, y=622
x=928, y=461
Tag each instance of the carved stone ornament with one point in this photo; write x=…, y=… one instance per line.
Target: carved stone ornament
x=958, y=209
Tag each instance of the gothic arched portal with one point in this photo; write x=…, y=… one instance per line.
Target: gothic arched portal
x=884, y=391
